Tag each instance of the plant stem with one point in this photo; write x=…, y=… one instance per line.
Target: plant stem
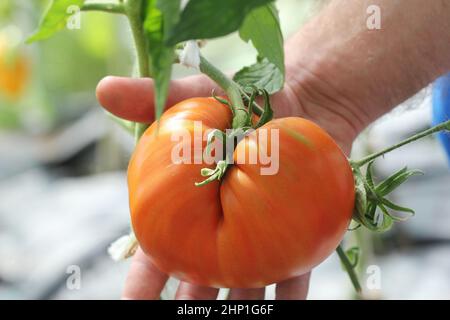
x=367, y=159
x=231, y=89
x=349, y=268
x=133, y=10
x=105, y=7
x=256, y=107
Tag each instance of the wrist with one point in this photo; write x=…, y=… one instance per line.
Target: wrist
x=311, y=92
x=322, y=101
x=338, y=68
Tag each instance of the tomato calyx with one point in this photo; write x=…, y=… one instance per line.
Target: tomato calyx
x=212, y=175
x=370, y=196
x=230, y=139
x=372, y=208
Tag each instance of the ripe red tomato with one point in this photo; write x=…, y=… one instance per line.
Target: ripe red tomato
x=248, y=230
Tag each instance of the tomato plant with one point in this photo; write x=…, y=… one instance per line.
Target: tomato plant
x=237, y=227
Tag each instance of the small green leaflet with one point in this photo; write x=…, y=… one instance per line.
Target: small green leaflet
x=161, y=16
x=262, y=74
x=261, y=26
x=353, y=256
x=206, y=19
x=54, y=19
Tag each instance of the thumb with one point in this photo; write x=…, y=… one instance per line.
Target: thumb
x=133, y=99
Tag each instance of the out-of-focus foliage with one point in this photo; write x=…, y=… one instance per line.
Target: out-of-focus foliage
x=54, y=80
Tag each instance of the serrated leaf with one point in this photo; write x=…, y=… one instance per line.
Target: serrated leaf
x=261, y=26
x=161, y=16
x=262, y=74
x=206, y=19
x=54, y=19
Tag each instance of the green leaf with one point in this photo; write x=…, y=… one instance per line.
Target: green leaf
x=262, y=74
x=161, y=16
x=54, y=19
x=261, y=26
x=206, y=19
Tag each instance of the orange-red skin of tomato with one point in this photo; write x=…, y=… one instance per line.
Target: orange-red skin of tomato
x=250, y=230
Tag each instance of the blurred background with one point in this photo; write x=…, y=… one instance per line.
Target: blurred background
x=63, y=194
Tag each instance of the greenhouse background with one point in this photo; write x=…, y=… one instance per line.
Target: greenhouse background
x=63, y=194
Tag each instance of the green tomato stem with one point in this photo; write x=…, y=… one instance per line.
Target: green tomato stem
x=349, y=268
x=104, y=7
x=440, y=127
x=133, y=10
x=255, y=106
x=232, y=90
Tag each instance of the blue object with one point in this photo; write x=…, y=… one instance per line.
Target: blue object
x=441, y=108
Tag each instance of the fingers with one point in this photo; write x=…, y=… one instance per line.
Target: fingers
x=247, y=294
x=187, y=291
x=293, y=289
x=144, y=280
x=133, y=99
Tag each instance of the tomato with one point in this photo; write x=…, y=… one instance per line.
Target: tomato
x=14, y=71
x=248, y=230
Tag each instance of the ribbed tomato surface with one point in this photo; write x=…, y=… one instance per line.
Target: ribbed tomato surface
x=250, y=229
